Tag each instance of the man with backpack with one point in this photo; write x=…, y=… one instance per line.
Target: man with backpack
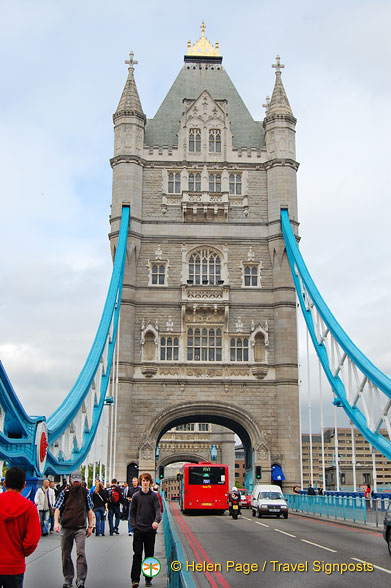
x=74, y=505
x=115, y=499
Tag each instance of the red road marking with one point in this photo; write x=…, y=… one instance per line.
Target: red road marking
x=353, y=529
x=197, y=555
x=188, y=534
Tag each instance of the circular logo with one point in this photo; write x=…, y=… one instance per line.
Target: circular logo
x=43, y=447
x=151, y=566
x=41, y=443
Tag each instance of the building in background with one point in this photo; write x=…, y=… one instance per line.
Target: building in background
x=363, y=455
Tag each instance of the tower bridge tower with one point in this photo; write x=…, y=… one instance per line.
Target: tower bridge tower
x=208, y=317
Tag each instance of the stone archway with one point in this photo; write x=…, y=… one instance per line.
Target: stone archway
x=230, y=416
x=180, y=457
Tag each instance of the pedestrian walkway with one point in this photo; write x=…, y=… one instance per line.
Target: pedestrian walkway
x=109, y=560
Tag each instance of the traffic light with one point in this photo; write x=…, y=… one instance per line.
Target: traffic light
x=258, y=472
x=161, y=472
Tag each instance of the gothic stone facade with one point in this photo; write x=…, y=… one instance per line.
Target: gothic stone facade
x=208, y=318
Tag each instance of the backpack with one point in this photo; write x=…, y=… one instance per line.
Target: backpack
x=114, y=495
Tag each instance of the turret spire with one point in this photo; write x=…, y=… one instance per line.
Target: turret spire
x=129, y=103
x=279, y=103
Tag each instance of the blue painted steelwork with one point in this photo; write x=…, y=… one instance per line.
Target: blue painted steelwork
x=23, y=439
x=249, y=480
x=321, y=323
x=18, y=430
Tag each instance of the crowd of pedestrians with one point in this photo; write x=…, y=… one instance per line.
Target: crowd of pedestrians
x=76, y=512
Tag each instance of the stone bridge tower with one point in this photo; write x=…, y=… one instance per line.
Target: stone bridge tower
x=208, y=317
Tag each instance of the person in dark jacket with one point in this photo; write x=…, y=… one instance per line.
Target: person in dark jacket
x=131, y=490
x=145, y=517
x=99, y=500
x=20, y=529
x=114, y=500
x=75, y=505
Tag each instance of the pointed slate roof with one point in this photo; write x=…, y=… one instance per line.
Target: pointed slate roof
x=191, y=81
x=279, y=103
x=130, y=100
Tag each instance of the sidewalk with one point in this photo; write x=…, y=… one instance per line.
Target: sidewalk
x=109, y=561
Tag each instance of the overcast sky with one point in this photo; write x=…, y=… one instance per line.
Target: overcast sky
x=62, y=76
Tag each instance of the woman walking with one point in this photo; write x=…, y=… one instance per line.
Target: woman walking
x=99, y=500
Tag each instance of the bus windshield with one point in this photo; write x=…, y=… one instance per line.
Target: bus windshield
x=200, y=475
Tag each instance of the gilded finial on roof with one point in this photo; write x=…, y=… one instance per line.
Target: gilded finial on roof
x=202, y=48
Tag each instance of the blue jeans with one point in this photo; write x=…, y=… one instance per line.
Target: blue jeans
x=15, y=581
x=44, y=520
x=100, y=520
x=114, y=510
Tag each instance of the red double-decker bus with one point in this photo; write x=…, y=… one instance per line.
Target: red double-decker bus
x=204, y=486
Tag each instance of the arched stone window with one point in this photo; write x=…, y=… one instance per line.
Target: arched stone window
x=259, y=348
x=149, y=347
x=251, y=275
x=174, y=183
x=214, y=182
x=195, y=140
x=235, y=183
x=215, y=141
x=204, y=267
x=195, y=182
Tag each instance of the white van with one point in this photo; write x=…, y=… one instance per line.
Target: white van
x=268, y=500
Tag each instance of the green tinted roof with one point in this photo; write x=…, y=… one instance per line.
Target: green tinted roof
x=190, y=83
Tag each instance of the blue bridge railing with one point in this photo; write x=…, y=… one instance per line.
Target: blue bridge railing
x=175, y=553
x=348, y=508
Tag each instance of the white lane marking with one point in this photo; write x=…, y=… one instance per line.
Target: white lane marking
x=263, y=524
x=285, y=533
x=247, y=519
x=368, y=562
x=317, y=545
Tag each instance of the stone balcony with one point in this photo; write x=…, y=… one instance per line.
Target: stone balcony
x=206, y=203
x=198, y=300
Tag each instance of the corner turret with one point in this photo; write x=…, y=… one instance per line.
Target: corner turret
x=129, y=127
x=129, y=118
x=279, y=124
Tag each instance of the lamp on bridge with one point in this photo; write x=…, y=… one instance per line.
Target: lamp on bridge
x=109, y=400
x=213, y=453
